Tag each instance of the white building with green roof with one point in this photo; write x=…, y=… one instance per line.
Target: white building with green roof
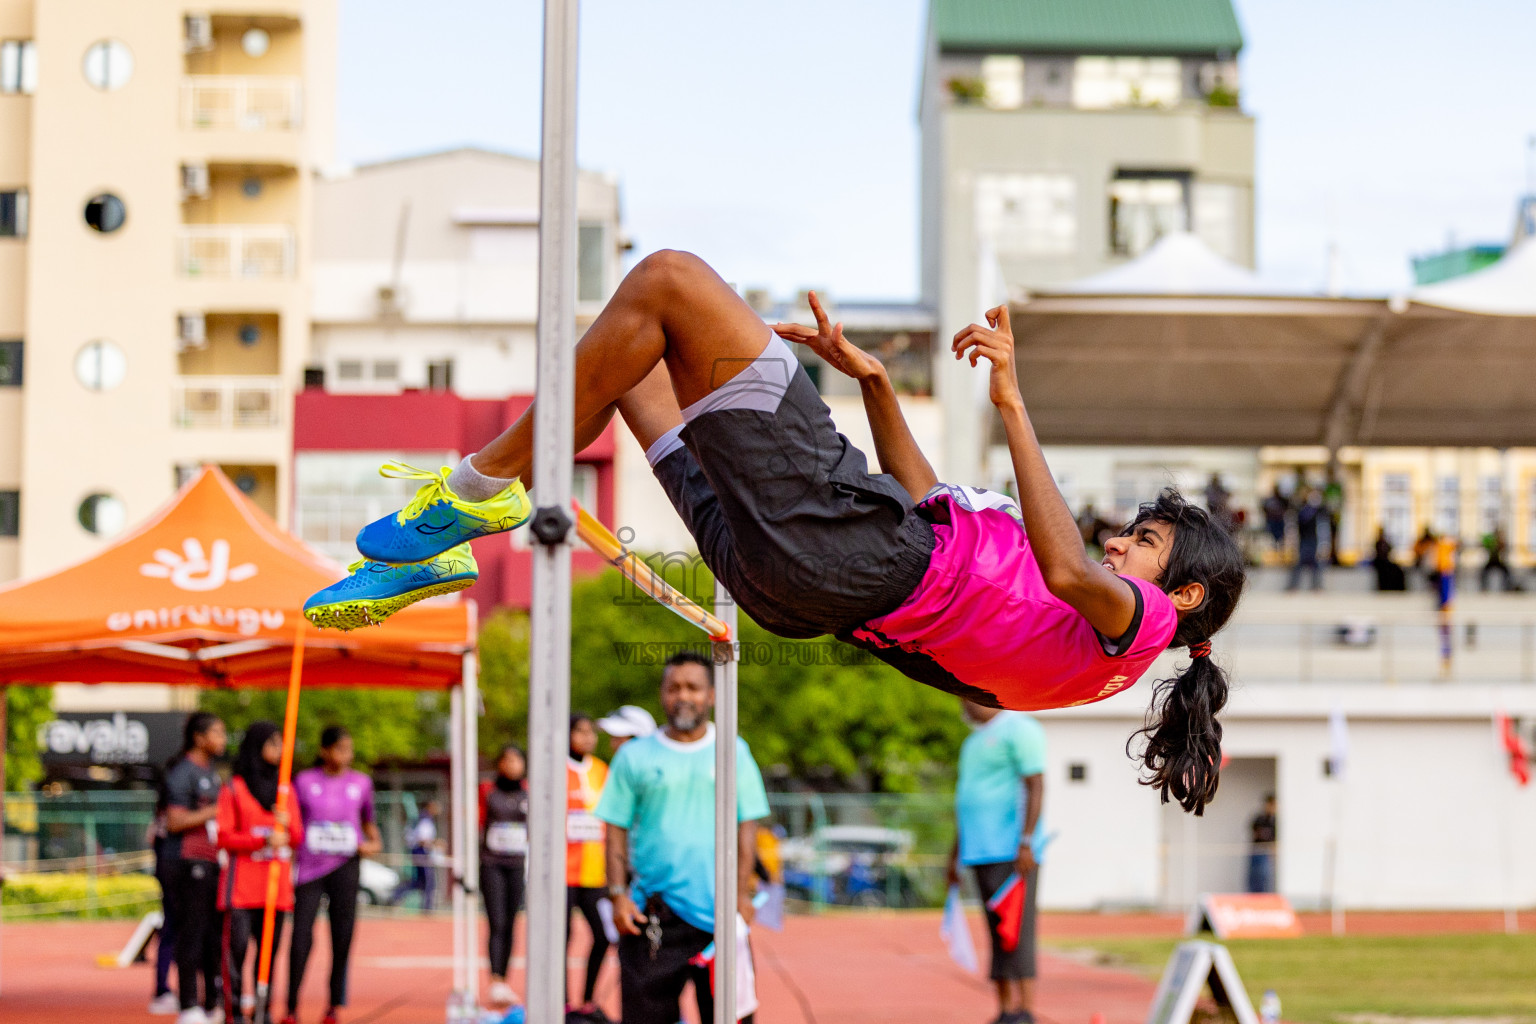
x=1061, y=138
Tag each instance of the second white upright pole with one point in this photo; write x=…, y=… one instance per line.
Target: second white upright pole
x=726, y=858
x=456, y=833
x=469, y=800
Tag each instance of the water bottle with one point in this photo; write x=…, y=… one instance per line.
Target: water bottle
x=1269, y=1007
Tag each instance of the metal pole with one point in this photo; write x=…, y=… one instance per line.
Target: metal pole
x=469, y=802
x=549, y=691
x=726, y=860
x=456, y=833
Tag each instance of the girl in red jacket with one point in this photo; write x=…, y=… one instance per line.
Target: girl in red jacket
x=254, y=835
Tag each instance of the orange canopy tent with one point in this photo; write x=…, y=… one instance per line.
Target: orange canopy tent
x=208, y=591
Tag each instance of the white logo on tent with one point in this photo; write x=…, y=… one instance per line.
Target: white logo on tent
x=193, y=570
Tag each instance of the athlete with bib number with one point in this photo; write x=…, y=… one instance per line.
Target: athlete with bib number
x=503, y=859
x=337, y=806
x=585, y=873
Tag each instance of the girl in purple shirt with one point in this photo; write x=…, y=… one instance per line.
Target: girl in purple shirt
x=337, y=808
x=957, y=588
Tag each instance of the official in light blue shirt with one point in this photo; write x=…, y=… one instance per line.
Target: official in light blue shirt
x=997, y=762
x=659, y=806
x=662, y=791
x=998, y=801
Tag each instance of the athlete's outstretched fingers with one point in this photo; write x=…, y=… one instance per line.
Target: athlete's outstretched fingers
x=1003, y=323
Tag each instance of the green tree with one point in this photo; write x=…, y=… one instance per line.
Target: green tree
x=384, y=722
x=816, y=710
x=26, y=709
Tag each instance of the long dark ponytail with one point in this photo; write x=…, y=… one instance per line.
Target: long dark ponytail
x=1182, y=755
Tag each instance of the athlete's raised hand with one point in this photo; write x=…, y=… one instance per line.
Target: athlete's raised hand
x=995, y=344
x=827, y=341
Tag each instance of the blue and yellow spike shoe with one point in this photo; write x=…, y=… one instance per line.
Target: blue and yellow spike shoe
x=376, y=590
x=437, y=519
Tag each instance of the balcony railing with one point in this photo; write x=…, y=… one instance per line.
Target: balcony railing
x=227, y=402
x=247, y=104
x=225, y=252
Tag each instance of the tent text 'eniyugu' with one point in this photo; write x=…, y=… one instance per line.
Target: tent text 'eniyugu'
x=208, y=592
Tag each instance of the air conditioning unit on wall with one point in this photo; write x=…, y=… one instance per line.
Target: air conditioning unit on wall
x=199, y=33
x=194, y=181
x=191, y=330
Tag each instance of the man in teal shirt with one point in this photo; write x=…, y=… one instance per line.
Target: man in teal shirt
x=997, y=808
x=659, y=805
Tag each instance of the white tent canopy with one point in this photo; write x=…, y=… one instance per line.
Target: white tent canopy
x=1177, y=264
x=1507, y=288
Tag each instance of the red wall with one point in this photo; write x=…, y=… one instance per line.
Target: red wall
x=416, y=420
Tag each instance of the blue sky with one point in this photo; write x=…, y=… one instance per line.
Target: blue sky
x=779, y=140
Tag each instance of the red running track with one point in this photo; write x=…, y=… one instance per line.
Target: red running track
x=841, y=968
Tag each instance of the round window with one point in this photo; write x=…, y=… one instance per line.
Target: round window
x=106, y=213
x=250, y=335
x=101, y=366
x=255, y=42
x=103, y=515
x=251, y=187
x=108, y=65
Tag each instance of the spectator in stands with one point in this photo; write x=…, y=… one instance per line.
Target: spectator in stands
x=1261, y=855
x=659, y=805
x=1276, y=507
x=1309, y=517
x=254, y=833
x=1389, y=575
x=191, y=812
x=1423, y=558
x=1333, y=509
x=998, y=799
x=1218, y=501
x=1494, y=546
x=424, y=846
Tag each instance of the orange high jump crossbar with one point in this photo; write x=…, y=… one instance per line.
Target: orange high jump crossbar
x=602, y=540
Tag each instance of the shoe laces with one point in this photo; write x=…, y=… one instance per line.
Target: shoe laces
x=435, y=489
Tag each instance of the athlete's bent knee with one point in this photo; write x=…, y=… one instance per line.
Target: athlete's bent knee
x=671, y=268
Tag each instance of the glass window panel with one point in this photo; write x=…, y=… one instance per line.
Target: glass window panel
x=1027, y=214
x=590, y=263
x=1002, y=77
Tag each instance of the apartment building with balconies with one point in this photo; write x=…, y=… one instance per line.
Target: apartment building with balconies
x=156, y=183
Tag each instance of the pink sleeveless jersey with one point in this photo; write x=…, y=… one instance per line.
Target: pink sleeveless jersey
x=982, y=623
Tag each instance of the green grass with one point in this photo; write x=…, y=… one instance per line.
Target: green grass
x=1322, y=979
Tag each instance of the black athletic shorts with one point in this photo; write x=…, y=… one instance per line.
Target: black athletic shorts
x=787, y=514
x=1019, y=962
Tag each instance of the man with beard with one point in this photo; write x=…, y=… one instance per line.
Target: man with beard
x=659, y=806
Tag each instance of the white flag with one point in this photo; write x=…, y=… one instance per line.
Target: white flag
x=1338, y=742
x=956, y=934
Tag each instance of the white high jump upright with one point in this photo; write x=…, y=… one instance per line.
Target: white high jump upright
x=726, y=858
x=549, y=680
x=469, y=813
x=458, y=835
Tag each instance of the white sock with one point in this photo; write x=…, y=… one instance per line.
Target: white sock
x=472, y=485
